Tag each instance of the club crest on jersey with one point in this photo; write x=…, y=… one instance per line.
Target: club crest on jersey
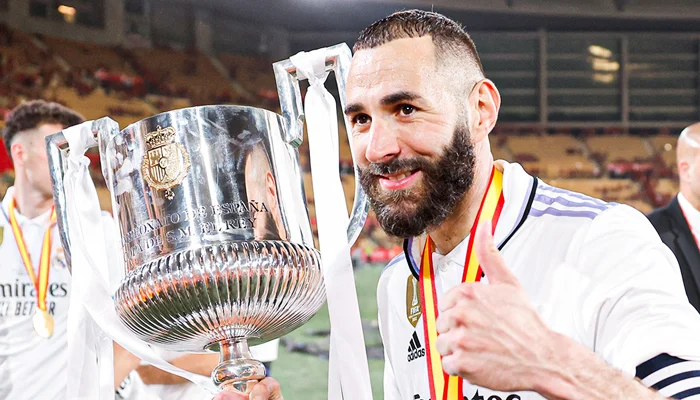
x=415, y=349
x=59, y=258
x=412, y=301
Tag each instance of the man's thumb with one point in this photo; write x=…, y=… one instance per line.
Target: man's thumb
x=490, y=258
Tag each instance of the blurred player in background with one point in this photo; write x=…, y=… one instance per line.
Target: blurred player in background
x=35, y=282
x=678, y=223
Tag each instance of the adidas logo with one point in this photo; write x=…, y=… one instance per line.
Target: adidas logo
x=415, y=350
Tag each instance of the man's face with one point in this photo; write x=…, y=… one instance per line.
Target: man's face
x=34, y=159
x=410, y=135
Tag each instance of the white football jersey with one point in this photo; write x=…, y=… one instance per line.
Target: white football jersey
x=596, y=272
x=31, y=367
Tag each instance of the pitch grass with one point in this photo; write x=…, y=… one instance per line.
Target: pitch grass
x=305, y=377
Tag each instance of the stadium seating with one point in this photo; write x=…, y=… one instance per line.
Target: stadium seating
x=184, y=73
x=251, y=72
x=98, y=104
x=664, y=190
x=613, y=190
x=664, y=146
x=616, y=148
x=551, y=156
x=129, y=85
x=88, y=55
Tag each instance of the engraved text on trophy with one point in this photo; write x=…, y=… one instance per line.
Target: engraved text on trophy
x=175, y=228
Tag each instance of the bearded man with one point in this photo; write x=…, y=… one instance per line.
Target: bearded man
x=508, y=288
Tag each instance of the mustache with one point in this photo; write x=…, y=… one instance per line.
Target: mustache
x=396, y=165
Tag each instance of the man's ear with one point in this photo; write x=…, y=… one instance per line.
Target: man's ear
x=18, y=151
x=684, y=171
x=485, y=102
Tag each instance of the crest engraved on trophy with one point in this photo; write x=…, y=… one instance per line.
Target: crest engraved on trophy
x=166, y=162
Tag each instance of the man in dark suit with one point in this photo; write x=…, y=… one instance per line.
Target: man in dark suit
x=678, y=223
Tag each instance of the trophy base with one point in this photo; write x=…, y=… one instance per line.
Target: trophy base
x=237, y=370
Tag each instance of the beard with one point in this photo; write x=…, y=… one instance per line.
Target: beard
x=410, y=212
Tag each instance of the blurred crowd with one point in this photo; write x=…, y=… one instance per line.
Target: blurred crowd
x=131, y=84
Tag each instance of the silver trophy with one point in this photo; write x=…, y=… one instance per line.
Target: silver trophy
x=216, y=238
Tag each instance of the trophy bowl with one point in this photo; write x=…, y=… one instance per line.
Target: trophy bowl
x=216, y=240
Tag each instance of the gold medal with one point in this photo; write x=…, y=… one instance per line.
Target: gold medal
x=42, y=320
x=43, y=324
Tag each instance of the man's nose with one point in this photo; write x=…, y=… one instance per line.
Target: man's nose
x=383, y=143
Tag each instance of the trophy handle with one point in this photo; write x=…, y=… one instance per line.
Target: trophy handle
x=338, y=59
x=57, y=151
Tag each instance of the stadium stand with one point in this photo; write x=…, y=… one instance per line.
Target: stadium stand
x=130, y=84
x=551, y=156
x=89, y=56
x=188, y=74
x=253, y=74
x=664, y=147
x=618, y=148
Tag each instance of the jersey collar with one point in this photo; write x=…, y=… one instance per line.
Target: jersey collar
x=41, y=220
x=518, y=191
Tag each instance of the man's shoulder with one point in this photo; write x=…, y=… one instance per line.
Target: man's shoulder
x=394, y=275
x=396, y=264
x=553, y=201
x=621, y=223
x=661, y=217
x=590, y=226
x=589, y=211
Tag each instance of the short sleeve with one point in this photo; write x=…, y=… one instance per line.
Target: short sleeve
x=634, y=287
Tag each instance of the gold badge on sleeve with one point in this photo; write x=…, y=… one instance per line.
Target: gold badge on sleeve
x=413, y=312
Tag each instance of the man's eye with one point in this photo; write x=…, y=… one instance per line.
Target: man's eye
x=361, y=119
x=407, y=109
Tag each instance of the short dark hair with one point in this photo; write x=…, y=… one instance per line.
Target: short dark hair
x=450, y=39
x=32, y=114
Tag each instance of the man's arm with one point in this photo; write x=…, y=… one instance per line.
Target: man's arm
x=124, y=363
x=492, y=336
x=201, y=364
x=575, y=372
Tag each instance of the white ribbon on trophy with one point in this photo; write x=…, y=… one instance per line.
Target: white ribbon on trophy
x=92, y=319
x=347, y=345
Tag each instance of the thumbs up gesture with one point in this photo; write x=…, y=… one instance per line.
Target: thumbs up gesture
x=490, y=334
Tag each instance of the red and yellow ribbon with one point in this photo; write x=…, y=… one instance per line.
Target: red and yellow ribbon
x=42, y=283
x=442, y=386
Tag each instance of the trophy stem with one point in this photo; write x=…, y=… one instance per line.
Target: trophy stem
x=237, y=370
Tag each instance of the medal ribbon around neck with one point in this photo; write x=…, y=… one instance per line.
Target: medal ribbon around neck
x=442, y=386
x=42, y=283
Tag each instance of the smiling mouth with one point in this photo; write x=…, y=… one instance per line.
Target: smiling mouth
x=399, y=176
x=398, y=181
